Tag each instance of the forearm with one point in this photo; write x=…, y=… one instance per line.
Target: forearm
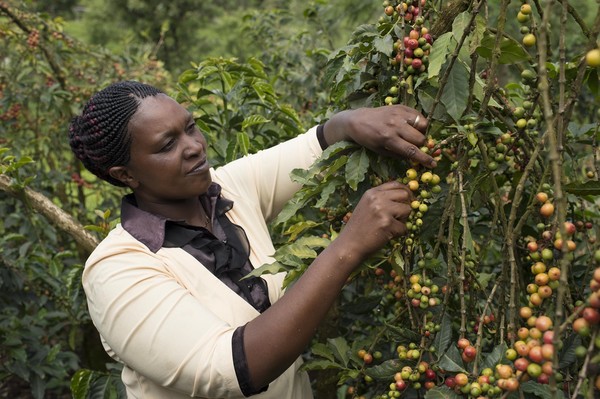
x=288, y=326
x=336, y=128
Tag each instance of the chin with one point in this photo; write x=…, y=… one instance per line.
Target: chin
x=204, y=185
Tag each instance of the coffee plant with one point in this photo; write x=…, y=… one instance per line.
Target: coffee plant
x=494, y=291
x=45, y=331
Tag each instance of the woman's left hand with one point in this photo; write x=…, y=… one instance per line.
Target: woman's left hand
x=390, y=130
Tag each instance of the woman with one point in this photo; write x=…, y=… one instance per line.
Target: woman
x=164, y=287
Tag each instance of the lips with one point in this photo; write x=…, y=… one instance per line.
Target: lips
x=200, y=167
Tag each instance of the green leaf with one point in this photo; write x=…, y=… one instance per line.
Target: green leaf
x=254, y=120
x=385, y=370
x=314, y=241
x=567, y=357
x=320, y=349
x=356, y=168
x=302, y=248
x=400, y=334
x=468, y=239
x=494, y=356
x=340, y=349
x=539, y=390
x=484, y=279
x=291, y=208
x=23, y=161
x=443, y=338
x=38, y=386
x=188, y=76
x=328, y=189
x=103, y=386
x=442, y=47
x=459, y=25
x=334, y=167
x=456, y=91
x=270, y=268
x=590, y=187
x=80, y=384
x=451, y=360
x=205, y=71
x=384, y=44
x=472, y=137
x=346, y=375
x=320, y=364
x=477, y=34
x=297, y=228
x=243, y=142
x=442, y=392
x=511, y=52
x=92, y=227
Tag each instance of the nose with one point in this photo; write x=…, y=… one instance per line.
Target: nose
x=193, y=146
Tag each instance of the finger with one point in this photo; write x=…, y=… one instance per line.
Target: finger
x=420, y=122
x=398, y=228
x=400, y=211
x=411, y=152
x=396, y=191
x=411, y=133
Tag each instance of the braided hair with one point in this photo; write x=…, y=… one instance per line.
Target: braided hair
x=99, y=137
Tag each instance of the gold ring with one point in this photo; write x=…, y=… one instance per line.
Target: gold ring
x=416, y=120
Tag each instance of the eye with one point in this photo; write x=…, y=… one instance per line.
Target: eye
x=167, y=147
x=191, y=127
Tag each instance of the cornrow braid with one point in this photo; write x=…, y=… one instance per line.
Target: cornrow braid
x=99, y=137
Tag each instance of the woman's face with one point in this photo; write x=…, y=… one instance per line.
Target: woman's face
x=168, y=153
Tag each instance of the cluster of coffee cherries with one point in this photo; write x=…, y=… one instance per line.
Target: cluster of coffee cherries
x=393, y=285
x=524, y=18
x=490, y=383
x=533, y=352
x=423, y=293
x=487, y=321
x=503, y=151
x=590, y=312
x=424, y=184
x=411, y=49
x=13, y=112
x=368, y=357
x=468, y=352
x=546, y=275
x=33, y=39
x=587, y=325
x=420, y=376
x=409, y=11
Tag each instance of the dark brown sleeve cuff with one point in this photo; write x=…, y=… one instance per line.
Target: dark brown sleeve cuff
x=240, y=364
x=321, y=137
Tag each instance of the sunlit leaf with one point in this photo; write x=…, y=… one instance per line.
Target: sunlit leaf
x=456, y=91
x=340, y=349
x=511, y=52
x=590, y=187
x=441, y=49
x=356, y=168
x=442, y=392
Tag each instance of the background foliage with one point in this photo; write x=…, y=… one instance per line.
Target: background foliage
x=257, y=72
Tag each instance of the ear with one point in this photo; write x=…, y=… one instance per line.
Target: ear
x=122, y=174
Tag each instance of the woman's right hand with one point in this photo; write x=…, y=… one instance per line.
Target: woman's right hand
x=379, y=216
